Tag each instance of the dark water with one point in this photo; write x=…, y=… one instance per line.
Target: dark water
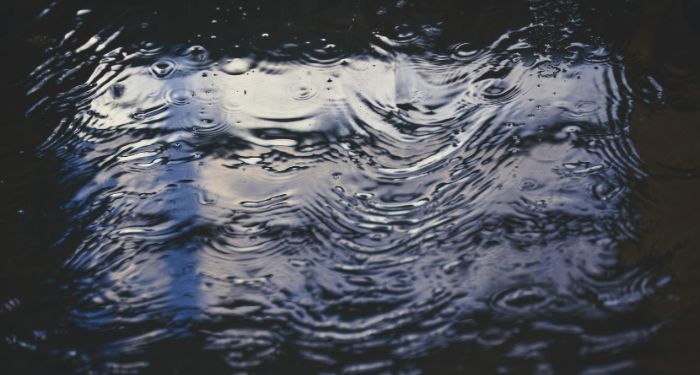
x=356, y=187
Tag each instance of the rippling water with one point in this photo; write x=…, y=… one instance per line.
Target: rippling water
x=359, y=187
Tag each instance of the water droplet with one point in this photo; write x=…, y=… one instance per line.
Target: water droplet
x=181, y=96
x=163, y=68
x=197, y=52
x=236, y=66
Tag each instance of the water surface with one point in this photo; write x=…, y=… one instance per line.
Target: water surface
x=359, y=187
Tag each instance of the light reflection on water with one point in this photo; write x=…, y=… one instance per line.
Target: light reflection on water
x=347, y=209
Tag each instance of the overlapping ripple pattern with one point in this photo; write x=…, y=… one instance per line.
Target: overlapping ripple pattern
x=359, y=198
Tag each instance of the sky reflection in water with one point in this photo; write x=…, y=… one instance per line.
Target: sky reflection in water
x=387, y=191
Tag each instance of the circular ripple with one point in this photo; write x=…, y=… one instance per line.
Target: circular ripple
x=404, y=34
x=181, y=96
x=325, y=56
x=464, y=52
x=209, y=127
x=163, y=68
x=303, y=92
x=522, y=299
x=150, y=49
x=492, y=91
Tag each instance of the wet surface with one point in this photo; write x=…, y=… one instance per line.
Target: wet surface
x=363, y=187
